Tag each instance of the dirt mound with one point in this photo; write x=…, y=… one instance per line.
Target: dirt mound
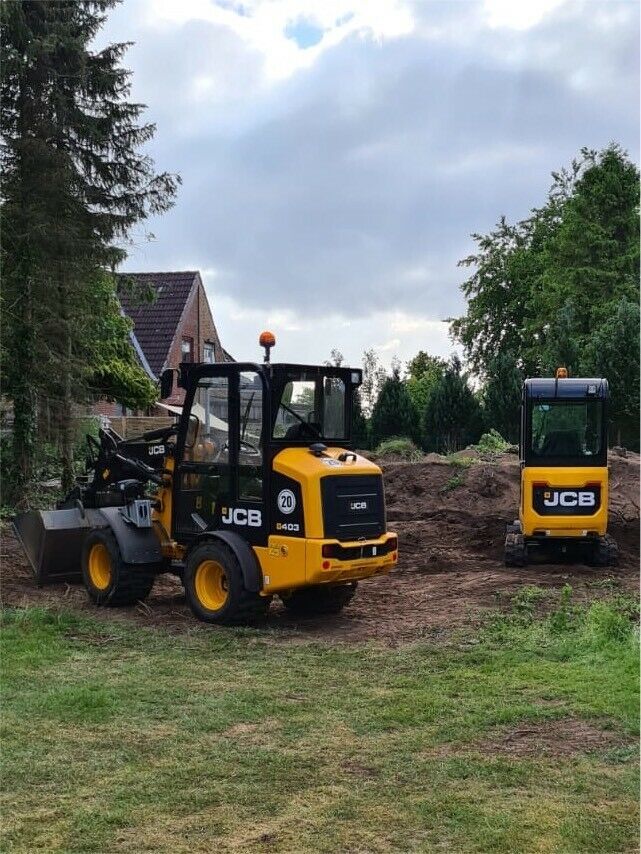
x=451, y=525
x=449, y=513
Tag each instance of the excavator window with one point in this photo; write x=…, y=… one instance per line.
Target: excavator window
x=568, y=429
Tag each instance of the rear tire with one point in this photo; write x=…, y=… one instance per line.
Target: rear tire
x=605, y=552
x=110, y=581
x=215, y=589
x=319, y=599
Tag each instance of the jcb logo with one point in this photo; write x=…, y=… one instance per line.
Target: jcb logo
x=156, y=450
x=240, y=516
x=358, y=505
x=569, y=498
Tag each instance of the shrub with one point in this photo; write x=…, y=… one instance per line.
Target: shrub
x=492, y=443
x=399, y=446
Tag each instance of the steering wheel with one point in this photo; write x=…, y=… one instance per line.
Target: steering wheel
x=315, y=434
x=249, y=449
x=244, y=446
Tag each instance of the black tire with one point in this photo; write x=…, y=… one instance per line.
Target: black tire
x=215, y=589
x=515, y=549
x=117, y=584
x=319, y=599
x=605, y=552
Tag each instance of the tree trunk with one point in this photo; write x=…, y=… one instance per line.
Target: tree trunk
x=65, y=423
x=24, y=396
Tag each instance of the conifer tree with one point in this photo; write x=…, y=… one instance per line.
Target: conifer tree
x=502, y=396
x=394, y=413
x=452, y=417
x=74, y=182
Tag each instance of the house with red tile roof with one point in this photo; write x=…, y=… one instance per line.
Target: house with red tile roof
x=175, y=326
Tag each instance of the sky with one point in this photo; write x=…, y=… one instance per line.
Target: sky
x=337, y=155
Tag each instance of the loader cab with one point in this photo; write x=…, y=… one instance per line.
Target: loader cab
x=237, y=417
x=564, y=477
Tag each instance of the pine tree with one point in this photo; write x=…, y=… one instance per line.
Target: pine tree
x=74, y=182
x=360, y=433
x=394, y=413
x=452, y=417
x=502, y=396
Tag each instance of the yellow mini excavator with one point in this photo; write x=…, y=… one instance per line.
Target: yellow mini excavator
x=256, y=492
x=564, y=474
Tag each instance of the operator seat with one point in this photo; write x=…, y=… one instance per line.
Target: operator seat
x=303, y=431
x=562, y=443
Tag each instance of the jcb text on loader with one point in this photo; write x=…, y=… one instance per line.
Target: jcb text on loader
x=257, y=493
x=564, y=474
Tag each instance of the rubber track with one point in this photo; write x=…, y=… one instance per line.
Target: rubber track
x=515, y=553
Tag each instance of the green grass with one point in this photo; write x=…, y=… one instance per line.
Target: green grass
x=453, y=483
x=118, y=738
x=399, y=446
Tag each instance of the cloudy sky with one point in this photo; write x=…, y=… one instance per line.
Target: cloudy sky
x=337, y=154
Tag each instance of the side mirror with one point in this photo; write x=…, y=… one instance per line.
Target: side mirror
x=166, y=383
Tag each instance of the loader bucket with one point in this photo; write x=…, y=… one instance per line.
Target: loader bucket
x=52, y=541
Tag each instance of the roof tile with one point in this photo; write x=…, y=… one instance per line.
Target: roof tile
x=155, y=323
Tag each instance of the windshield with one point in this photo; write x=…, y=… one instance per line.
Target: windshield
x=311, y=406
x=567, y=428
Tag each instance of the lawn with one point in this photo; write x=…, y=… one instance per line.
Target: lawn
x=521, y=738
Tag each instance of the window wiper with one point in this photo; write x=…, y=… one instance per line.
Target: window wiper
x=246, y=416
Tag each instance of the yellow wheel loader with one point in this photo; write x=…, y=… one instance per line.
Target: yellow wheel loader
x=256, y=492
x=564, y=474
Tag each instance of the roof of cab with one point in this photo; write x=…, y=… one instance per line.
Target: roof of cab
x=574, y=388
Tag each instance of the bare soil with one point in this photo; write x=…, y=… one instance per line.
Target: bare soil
x=451, y=525
x=556, y=737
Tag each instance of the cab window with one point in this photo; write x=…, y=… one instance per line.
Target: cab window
x=207, y=438
x=250, y=448
x=311, y=407
x=567, y=428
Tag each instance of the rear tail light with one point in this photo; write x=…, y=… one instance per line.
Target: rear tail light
x=328, y=550
x=392, y=544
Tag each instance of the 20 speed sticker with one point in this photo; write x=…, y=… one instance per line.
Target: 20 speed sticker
x=286, y=501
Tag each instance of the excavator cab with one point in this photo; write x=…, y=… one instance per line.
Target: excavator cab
x=255, y=492
x=564, y=475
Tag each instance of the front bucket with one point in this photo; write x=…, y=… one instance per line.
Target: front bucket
x=52, y=540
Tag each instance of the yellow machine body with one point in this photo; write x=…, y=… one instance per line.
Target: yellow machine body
x=563, y=451
x=567, y=485
x=288, y=562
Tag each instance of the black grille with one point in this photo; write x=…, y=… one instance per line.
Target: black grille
x=353, y=506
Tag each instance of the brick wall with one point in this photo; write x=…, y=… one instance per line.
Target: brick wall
x=198, y=324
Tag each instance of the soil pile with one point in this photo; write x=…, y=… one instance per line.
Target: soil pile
x=450, y=514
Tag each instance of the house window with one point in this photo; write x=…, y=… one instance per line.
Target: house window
x=187, y=350
x=209, y=356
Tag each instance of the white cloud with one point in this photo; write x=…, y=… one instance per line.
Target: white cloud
x=518, y=14
x=337, y=155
